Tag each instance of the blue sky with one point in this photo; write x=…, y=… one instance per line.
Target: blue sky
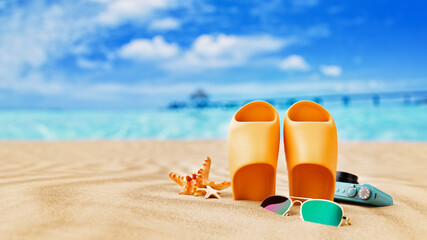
x=133, y=53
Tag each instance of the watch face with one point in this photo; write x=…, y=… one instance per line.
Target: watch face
x=364, y=193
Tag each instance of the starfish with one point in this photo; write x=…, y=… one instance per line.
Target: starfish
x=191, y=184
x=210, y=192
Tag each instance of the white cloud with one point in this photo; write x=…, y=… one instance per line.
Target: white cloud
x=117, y=11
x=144, y=49
x=34, y=83
x=221, y=51
x=294, y=62
x=331, y=70
x=91, y=64
x=165, y=24
x=35, y=35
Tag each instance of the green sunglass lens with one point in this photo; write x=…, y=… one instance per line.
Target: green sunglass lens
x=321, y=211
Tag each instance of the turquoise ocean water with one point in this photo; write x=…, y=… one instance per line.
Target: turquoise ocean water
x=355, y=122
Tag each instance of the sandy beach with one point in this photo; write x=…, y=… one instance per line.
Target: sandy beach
x=121, y=190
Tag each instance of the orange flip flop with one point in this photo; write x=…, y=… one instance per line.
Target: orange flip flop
x=311, y=149
x=253, y=148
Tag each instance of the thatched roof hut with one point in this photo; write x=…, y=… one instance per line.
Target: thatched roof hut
x=200, y=98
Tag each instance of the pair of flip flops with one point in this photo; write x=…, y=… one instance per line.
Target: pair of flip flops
x=310, y=140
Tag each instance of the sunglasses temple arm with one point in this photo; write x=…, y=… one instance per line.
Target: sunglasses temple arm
x=300, y=198
x=289, y=209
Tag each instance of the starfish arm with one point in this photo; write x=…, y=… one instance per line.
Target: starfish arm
x=211, y=192
x=218, y=186
x=177, y=178
x=200, y=183
x=188, y=189
x=204, y=170
x=199, y=193
x=216, y=194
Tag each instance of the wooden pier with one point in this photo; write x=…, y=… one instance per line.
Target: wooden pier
x=405, y=97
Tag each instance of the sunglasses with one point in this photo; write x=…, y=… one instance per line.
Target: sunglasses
x=312, y=210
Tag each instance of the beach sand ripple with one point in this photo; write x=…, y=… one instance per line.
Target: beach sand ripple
x=121, y=190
